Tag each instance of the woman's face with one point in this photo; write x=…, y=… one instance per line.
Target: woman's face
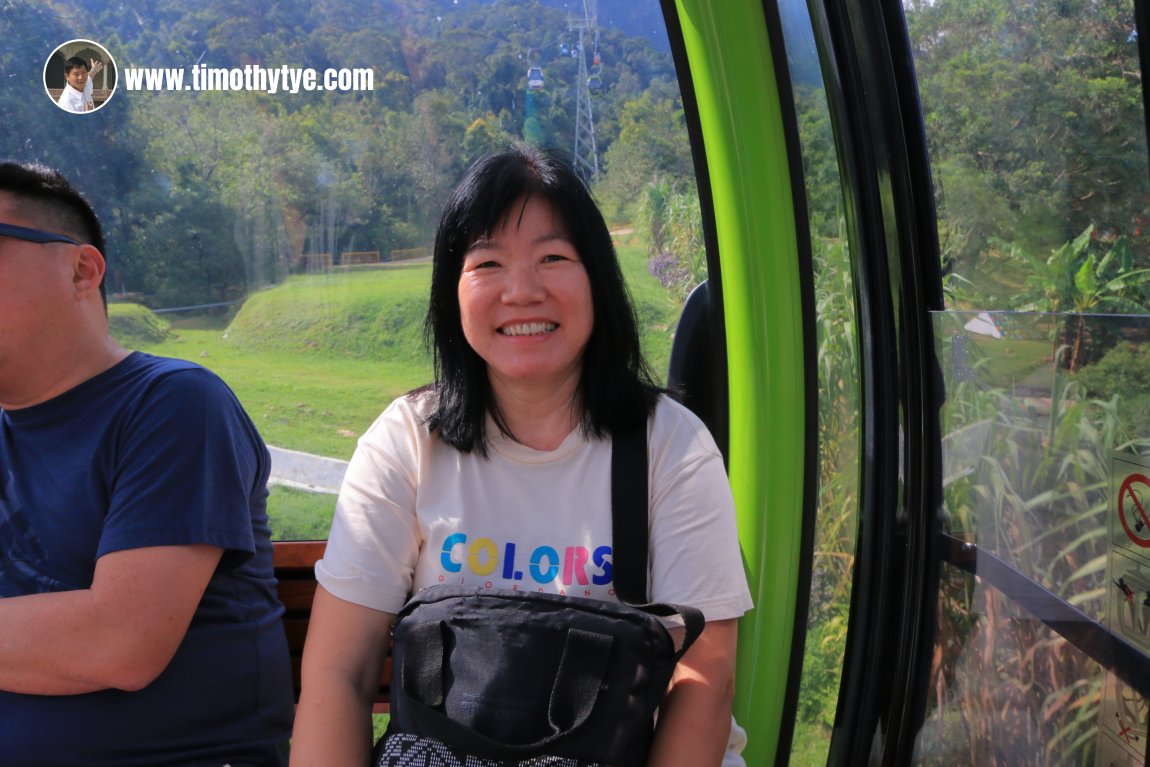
x=525, y=301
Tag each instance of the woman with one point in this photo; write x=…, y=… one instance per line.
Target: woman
x=497, y=475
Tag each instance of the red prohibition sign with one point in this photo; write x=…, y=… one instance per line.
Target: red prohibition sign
x=1130, y=504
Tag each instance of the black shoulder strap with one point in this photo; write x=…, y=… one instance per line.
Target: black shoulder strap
x=629, y=513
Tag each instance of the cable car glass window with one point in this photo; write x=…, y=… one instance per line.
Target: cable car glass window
x=270, y=181
x=836, y=523
x=1034, y=118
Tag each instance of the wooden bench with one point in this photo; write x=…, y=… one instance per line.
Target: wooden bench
x=295, y=571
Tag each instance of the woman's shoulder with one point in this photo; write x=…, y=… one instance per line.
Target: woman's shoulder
x=406, y=414
x=675, y=424
x=418, y=403
x=670, y=413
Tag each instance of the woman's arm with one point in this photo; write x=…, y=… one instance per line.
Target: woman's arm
x=342, y=662
x=695, y=718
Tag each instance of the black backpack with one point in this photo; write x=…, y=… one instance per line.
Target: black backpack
x=493, y=678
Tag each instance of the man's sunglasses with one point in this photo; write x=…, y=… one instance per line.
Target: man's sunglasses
x=38, y=236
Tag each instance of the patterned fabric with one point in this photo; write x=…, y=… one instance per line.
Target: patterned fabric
x=403, y=750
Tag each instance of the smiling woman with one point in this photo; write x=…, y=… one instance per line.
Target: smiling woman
x=537, y=370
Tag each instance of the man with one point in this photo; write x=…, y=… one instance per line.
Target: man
x=77, y=93
x=139, y=623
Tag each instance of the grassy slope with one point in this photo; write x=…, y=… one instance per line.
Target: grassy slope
x=657, y=310
x=316, y=359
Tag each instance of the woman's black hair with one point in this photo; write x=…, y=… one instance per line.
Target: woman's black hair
x=615, y=385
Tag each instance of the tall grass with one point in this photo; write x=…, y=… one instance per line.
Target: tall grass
x=836, y=520
x=1006, y=689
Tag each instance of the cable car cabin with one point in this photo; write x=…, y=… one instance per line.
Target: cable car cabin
x=940, y=473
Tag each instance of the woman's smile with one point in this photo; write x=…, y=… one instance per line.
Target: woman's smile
x=528, y=329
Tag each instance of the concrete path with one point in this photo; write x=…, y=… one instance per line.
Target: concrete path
x=306, y=471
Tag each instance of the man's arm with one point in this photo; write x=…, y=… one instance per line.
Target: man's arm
x=120, y=633
x=695, y=717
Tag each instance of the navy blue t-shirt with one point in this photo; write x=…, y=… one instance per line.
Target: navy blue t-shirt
x=152, y=452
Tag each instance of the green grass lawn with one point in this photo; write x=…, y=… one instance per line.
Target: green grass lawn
x=315, y=360
x=657, y=310
x=298, y=515
x=316, y=403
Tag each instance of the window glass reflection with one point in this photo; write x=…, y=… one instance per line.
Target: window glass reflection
x=836, y=522
x=280, y=235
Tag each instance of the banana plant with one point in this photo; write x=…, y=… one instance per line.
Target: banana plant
x=1074, y=280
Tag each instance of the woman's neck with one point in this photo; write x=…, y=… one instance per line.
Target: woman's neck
x=539, y=420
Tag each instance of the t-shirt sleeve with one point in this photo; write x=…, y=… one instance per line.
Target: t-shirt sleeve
x=375, y=536
x=189, y=462
x=695, y=555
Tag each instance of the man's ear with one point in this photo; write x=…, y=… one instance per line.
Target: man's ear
x=87, y=270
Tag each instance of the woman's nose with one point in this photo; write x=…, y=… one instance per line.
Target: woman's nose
x=523, y=286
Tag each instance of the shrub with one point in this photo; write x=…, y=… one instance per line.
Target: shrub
x=133, y=325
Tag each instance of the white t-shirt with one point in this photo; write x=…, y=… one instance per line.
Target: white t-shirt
x=77, y=101
x=414, y=512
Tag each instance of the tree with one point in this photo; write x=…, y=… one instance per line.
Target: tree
x=250, y=181
x=652, y=148
x=1075, y=279
x=1033, y=112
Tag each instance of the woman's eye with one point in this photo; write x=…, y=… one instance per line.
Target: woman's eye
x=553, y=258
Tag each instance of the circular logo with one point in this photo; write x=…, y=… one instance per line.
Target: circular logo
x=80, y=76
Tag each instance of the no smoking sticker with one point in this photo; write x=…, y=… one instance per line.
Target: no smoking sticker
x=1130, y=505
x=1133, y=504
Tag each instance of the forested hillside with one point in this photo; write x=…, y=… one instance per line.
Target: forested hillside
x=208, y=196
x=1033, y=112
x=211, y=195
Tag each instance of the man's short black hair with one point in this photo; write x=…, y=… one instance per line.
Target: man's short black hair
x=53, y=204
x=74, y=62
x=615, y=386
